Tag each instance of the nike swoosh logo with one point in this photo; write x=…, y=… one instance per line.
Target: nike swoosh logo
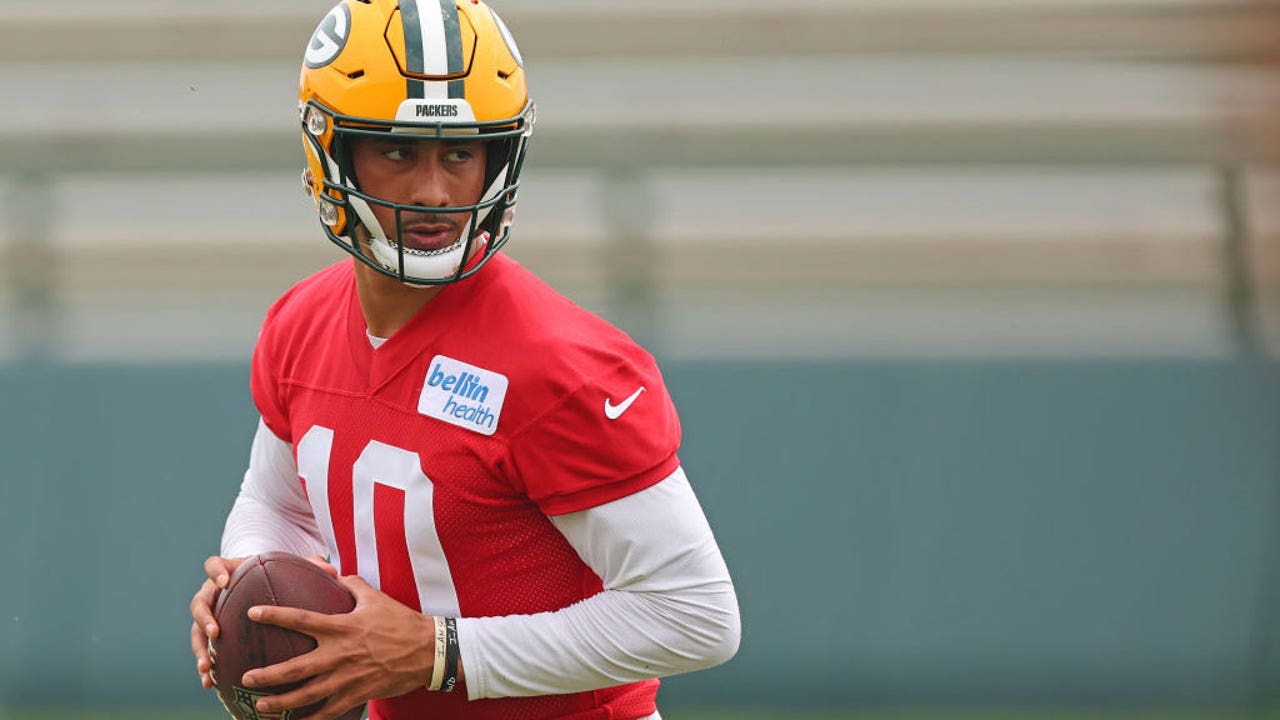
x=613, y=412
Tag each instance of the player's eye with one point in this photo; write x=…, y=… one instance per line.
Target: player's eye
x=397, y=153
x=459, y=153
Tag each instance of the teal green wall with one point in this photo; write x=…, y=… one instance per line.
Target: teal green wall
x=1012, y=533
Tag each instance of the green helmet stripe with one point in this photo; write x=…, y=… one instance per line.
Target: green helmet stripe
x=412, y=46
x=453, y=40
x=433, y=46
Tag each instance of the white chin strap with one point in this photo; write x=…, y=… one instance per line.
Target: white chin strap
x=439, y=265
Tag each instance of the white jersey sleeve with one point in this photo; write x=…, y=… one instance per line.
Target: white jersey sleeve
x=271, y=512
x=668, y=605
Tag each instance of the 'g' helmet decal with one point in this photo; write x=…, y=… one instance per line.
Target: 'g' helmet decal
x=507, y=38
x=329, y=38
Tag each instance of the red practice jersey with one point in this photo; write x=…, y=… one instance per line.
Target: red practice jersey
x=432, y=462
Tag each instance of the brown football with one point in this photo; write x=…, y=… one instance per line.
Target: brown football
x=274, y=578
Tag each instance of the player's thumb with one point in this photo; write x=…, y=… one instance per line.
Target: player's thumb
x=358, y=587
x=323, y=564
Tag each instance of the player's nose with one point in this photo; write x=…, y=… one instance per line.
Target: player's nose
x=430, y=183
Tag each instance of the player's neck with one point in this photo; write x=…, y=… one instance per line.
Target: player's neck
x=388, y=304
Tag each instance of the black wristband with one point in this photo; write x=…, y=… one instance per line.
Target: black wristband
x=452, y=654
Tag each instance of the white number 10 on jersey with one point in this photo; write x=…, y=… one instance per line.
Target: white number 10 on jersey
x=399, y=471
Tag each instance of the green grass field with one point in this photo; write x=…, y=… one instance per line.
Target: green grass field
x=677, y=714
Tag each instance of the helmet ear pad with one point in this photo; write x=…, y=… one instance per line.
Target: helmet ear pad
x=341, y=153
x=499, y=156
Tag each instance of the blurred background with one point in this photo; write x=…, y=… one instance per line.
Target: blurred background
x=969, y=308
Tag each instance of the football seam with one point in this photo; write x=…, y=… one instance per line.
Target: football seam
x=266, y=577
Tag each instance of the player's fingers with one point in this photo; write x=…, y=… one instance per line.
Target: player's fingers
x=324, y=565
x=219, y=569
x=216, y=568
x=206, y=680
x=294, y=670
x=202, y=608
x=358, y=587
x=200, y=648
x=334, y=707
x=304, y=621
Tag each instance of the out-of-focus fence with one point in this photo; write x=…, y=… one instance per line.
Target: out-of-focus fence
x=868, y=177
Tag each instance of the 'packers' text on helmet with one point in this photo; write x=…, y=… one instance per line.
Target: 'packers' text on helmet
x=432, y=69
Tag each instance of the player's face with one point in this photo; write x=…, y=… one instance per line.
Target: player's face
x=434, y=173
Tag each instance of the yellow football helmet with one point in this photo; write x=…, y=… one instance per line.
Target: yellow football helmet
x=431, y=68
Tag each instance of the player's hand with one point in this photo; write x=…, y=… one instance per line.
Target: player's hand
x=218, y=571
x=203, y=627
x=380, y=649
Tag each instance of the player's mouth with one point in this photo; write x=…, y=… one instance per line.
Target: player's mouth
x=429, y=238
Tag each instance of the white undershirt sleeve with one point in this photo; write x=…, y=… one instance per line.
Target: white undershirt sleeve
x=668, y=605
x=271, y=512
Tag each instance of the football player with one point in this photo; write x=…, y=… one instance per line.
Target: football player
x=491, y=469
